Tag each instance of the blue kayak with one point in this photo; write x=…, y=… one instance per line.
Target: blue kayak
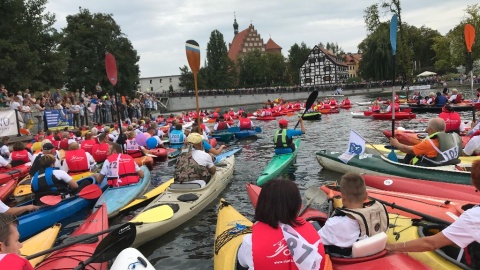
x=35, y=222
x=118, y=197
x=225, y=155
x=245, y=133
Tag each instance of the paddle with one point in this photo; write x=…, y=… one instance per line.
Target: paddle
x=111, y=68
x=313, y=194
x=89, y=192
x=111, y=245
x=311, y=99
x=393, y=42
x=192, y=50
x=469, y=33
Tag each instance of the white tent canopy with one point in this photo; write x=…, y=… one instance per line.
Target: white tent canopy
x=426, y=73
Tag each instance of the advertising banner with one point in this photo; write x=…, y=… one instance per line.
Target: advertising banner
x=8, y=123
x=58, y=119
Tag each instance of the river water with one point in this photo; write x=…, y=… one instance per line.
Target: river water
x=190, y=246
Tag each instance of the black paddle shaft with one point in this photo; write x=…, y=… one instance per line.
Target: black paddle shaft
x=311, y=99
x=424, y=216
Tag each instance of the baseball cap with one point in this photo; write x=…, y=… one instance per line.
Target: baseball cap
x=195, y=138
x=283, y=122
x=48, y=146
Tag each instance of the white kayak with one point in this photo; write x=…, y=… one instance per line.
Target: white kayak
x=187, y=125
x=179, y=203
x=359, y=115
x=131, y=258
x=367, y=103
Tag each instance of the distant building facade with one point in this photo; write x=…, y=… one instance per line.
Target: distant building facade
x=353, y=62
x=323, y=68
x=160, y=84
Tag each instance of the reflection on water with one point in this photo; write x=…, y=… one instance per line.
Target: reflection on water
x=190, y=246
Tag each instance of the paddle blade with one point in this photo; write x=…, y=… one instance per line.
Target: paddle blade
x=469, y=33
x=114, y=242
x=51, y=199
x=313, y=195
x=311, y=99
x=193, y=55
x=156, y=214
x=90, y=192
x=393, y=33
x=392, y=156
x=111, y=67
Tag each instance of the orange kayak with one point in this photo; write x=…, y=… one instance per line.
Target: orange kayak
x=145, y=160
x=412, y=138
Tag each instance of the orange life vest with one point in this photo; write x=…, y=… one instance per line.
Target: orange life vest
x=121, y=171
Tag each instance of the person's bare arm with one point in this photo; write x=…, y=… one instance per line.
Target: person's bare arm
x=212, y=170
x=402, y=147
x=140, y=173
x=16, y=211
x=73, y=184
x=422, y=244
x=99, y=177
x=217, y=151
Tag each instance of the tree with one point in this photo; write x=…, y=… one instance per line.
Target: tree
x=186, y=78
x=376, y=63
x=253, y=69
x=297, y=55
x=87, y=38
x=276, y=68
x=220, y=69
x=371, y=18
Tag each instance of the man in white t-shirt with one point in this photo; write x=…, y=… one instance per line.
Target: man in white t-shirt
x=472, y=147
x=15, y=211
x=4, y=150
x=4, y=163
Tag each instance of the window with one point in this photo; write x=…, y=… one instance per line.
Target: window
x=327, y=78
x=151, y=89
x=308, y=80
x=306, y=70
x=150, y=81
x=257, y=39
x=244, y=50
x=251, y=44
x=317, y=51
x=327, y=68
x=311, y=60
x=170, y=79
x=263, y=49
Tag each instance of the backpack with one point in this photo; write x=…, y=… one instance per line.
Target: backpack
x=187, y=169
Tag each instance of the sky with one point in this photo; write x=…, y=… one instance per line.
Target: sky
x=158, y=29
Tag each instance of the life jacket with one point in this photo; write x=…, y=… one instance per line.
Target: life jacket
x=281, y=140
x=372, y=219
x=133, y=149
x=346, y=102
x=271, y=247
x=122, y=170
x=19, y=157
x=177, y=138
x=14, y=262
x=87, y=145
x=450, y=147
x=187, y=169
x=458, y=99
x=326, y=106
x=268, y=112
x=63, y=144
x=36, y=146
x=77, y=161
x=245, y=123
x=231, y=113
x=44, y=182
x=50, y=137
x=222, y=125
x=375, y=108
x=227, y=117
x=452, y=121
x=333, y=102
x=100, y=152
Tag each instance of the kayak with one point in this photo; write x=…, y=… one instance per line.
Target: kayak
x=40, y=242
x=179, y=203
x=423, y=187
x=398, y=116
x=359, y=115
x=23, y=190
x=147, y=197
x=397, y=261
x=34, y=222
x=223, y=136
x=415, y=137
x=445, y=209
x=374, y=149
x=16, y=173
x=311, y=116
x=329, y=111
x=160, y=154
x=265, y=118
x=245, y=133
x=116, y=198
x=403, y=229
x=70, y=257
x=277, y=165
x=7, y=189
x=131, y=257
x=145, y=160
x=380, y=165
x=345, y=106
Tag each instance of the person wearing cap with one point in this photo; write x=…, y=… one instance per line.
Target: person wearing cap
x=221, y=124
x=283, y=138
x=452, y=119
x=439, y=148
x=194, y=165
x=120, y=169
x=47, y=149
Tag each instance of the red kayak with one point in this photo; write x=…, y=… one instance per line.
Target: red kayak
x=422, y=187
x=265, y=118
x=413, y=137
x=162, y=153
x=440, y=208
x=69, y=257
x=7, y=189
x=391, y=261
x=348, y=106
x=398, y=116
x=17, y=172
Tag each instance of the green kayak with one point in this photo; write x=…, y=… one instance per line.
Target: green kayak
x=380, y=165
x=311, y=116
x=277, y=165
x=223, y=136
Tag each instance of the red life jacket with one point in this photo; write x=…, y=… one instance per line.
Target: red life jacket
x=14, y=262
x=77, y=161
x=20, y=156
x=133, y=149
x=87, y=145
x=221, y=125
x=231, y=113
x=265, y=243
x=346, y=102
x=452, y=121
x=268, y=112
x=170, y=119
x=63, y=144
x=100, y=152
x=122, y=170
x=326, y=106
x=50, y=137
x=227, y=117
x=459, y=98
x=375, y=108
x=333, y=102
x=245, y=123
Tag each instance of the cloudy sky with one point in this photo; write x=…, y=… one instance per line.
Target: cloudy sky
x=158, y=29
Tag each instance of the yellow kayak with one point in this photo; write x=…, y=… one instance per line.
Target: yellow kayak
x=23, y=191
x=231, y=228
x=384, y=150
x=402, y=230
x=40, y=242
x=145, y=198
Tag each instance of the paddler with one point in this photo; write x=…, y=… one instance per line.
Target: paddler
x=221, y=124
x=244, y=122
x=282, y=139
x=439, y=148
x=346, y=101
x=277, y=214
x=77, y=160
x=464, y=232
x=453, y=122
x=10, y=256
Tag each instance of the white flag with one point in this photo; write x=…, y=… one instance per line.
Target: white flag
x=356, y=146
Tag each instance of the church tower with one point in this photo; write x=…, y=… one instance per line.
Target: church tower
x=235, y=24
